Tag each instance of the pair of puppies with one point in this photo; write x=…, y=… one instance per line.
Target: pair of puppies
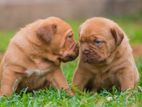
x=35, y=53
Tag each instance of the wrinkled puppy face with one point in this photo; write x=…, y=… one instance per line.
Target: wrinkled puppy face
x=58, y=36
x=69, y=49
x=99, y=37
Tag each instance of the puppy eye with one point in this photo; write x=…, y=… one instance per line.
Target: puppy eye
x=70, y=36
x=97, y=42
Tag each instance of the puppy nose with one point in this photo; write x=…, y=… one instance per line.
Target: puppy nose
x=86, y=51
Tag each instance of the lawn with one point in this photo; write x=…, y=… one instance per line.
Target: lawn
x=54, y=98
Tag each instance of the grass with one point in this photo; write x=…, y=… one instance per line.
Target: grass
x=55, y=98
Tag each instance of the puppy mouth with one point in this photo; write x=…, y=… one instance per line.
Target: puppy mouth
x=87, y=59
x=91, y=58
x=69, y=58
x=71, y=54
x=91, y=61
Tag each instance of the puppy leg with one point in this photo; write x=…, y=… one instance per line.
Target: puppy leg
x=126, y=80
x=59, y=81
x=9, y=83
x=81, y=79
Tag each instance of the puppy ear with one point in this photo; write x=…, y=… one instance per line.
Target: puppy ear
x=117, y=34
x=45, y=33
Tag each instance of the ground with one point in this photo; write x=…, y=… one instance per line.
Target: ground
x=54, y=98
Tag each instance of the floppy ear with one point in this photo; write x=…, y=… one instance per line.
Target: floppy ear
x=45, y=33
x=117, y=34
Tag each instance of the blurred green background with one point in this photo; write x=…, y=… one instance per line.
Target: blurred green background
x=132, y=25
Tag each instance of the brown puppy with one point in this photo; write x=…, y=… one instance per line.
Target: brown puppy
x=105, y=57
x=34, y=56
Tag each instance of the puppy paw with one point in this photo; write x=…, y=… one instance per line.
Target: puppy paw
x=69, y=92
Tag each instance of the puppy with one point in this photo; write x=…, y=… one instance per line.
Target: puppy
x=34, y=56
x=106, y=58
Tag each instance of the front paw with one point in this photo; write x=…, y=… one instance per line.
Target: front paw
x=69, y=92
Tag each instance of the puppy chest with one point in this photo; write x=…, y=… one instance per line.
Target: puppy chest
x=40, y=69
x=33, y=82
x=35, y=78
x=105, y=81
x=37, y=72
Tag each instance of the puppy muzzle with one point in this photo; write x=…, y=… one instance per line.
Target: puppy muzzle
x=71, y=54
x=89, y=56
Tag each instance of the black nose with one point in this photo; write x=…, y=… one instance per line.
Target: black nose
x=71, y=57
x=86, y=51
